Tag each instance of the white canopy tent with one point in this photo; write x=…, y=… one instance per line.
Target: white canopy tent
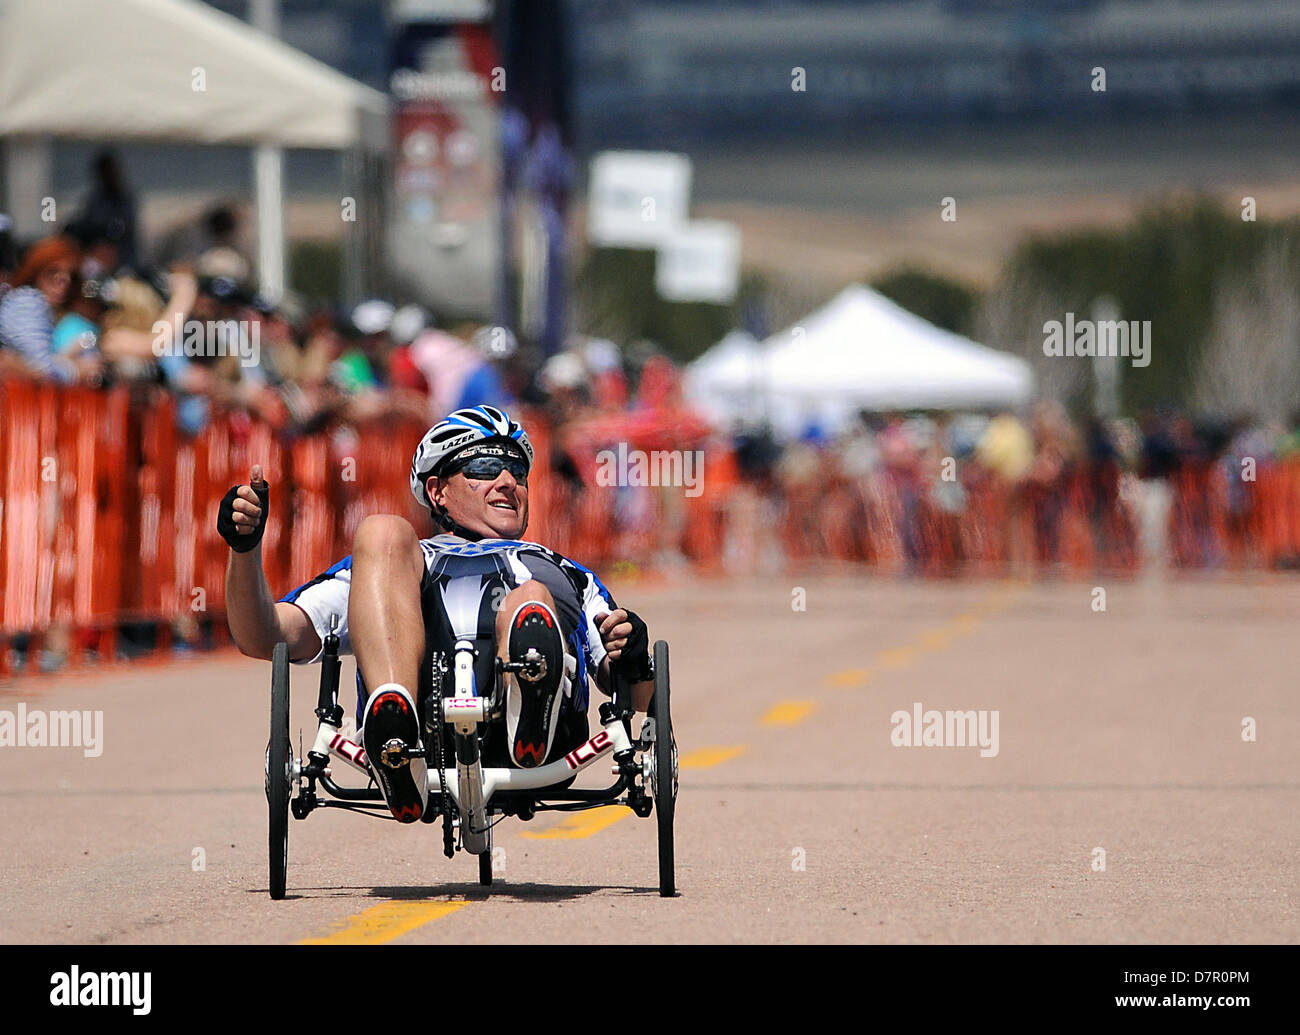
x=858, y=352
x=170, y=70
x=728, y=377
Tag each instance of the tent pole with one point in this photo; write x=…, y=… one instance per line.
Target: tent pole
x=268, y=168
x=28, y=177
x=354, y=286
x=268, y=177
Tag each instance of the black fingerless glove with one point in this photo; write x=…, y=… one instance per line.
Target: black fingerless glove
x=634, y=662
x=239, y=541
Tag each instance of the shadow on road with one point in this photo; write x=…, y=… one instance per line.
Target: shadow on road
x=468, y=892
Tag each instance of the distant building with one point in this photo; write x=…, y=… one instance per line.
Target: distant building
x=667, y=72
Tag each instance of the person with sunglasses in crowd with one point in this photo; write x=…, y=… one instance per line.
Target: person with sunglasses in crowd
x=402, y=602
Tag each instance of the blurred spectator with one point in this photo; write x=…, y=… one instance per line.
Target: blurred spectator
x=41, y=288
x=78, y=329
x=447, y=364
x=364, y=365
x=406, y=325
x=1056, y=453
x=609, y=387
x=1158, y=463
x=222, y=256
x=8, y=253
x=1006, y=451
x=799, y=474
x=109, y=211
x=483, y=384
x=211, y=244
x=1103, y=474
x=375, y=376
x=1288, y=445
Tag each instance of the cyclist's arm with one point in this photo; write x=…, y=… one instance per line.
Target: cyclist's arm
x=605, y=631
x=257, y=622
x=641, y=692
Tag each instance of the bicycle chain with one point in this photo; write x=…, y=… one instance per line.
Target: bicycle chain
x=439, y=673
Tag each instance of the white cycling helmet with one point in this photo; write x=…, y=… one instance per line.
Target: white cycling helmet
x=456, y=431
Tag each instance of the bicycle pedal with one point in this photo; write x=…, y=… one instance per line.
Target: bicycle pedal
x=531, y=667
x=394, y=754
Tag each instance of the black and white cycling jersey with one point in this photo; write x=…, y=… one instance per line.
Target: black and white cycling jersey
x=462, y=589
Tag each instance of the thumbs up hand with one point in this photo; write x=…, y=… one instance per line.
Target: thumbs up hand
x=241, y=518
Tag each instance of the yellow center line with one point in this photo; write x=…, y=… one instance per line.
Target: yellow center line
x=787, y=713
x=850, y=677
x=708, y=757
x=896, y=657
x=384, y=922
x=935, y=639
x=581, y=824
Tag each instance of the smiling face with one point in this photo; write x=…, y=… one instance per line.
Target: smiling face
x=496, y=509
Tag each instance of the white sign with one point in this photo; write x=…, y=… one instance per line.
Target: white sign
x=699, y=263
x=637, y=199
x=442, y=10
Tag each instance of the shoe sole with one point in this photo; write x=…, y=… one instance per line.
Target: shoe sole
x=389, y=717
x=534, y=626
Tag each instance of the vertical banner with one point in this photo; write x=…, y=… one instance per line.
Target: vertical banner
x=446, y=80
x=539, y=170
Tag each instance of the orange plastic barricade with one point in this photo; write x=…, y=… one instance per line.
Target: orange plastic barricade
x=373, y=472
x=311, y=511
x=108, y=511
x=64, y=482
x=1278, y=495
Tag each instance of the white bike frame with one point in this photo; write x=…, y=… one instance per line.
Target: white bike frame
x=471, y=786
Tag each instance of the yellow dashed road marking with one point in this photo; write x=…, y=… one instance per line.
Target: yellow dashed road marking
x=848, y=678
x=896, y=657
x=581, y=824
x=787, y=713
x=384, y=922
x=706, y=758
x=936, y=639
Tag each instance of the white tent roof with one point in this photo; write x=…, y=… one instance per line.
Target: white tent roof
x=860, y=351
x=735, y=364
x=125, y=69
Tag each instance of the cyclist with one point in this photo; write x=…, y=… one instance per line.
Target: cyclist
x=402, y=602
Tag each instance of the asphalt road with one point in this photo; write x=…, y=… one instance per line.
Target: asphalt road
x=798, y=819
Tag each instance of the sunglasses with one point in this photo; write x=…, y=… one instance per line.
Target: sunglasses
x=488, y=468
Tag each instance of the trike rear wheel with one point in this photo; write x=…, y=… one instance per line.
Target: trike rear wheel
x=665, y=772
